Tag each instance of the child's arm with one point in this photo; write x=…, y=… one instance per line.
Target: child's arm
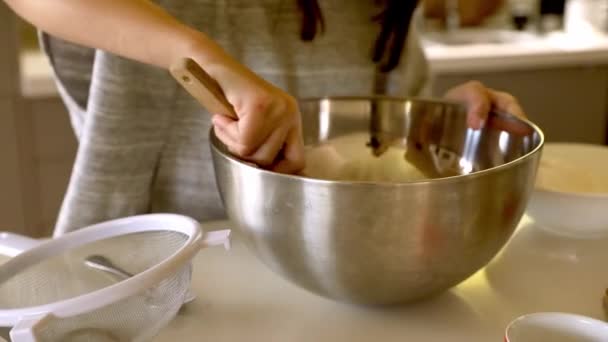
x=268, y=118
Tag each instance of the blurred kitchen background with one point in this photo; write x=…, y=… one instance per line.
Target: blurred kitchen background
x=551, y=54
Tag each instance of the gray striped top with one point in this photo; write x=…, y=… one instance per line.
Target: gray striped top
x=143, y=143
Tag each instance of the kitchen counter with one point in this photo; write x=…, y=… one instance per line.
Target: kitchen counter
x=552, y=50
x=239, y=299
x=518, y=51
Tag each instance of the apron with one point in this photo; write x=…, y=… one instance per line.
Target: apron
x=143, y=141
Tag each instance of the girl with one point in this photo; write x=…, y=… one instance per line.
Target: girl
x=143, y=142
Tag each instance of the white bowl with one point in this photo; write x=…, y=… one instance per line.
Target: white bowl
x=556, y=327
x=571, y=192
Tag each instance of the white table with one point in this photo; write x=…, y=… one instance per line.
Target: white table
x=240, y=299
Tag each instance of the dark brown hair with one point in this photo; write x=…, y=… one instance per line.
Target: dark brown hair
x=394, y=20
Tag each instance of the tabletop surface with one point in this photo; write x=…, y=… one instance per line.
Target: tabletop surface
x=240, y=299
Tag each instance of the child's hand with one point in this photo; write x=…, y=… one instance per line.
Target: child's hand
x=268, y=129
x=480, y=100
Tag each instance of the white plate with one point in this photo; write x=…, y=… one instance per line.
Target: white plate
x=556, y=327
x=571, y=193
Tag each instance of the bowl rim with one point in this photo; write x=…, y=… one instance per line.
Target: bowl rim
x=555, y=315
x=570, y=194
x=423, y=182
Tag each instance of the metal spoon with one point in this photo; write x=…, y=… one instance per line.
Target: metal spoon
x=101, y=263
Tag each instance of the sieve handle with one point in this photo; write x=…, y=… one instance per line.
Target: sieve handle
x=28, y=328
x=12, y=244
x=216, y=238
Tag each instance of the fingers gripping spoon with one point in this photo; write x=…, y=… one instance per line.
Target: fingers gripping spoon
x=206, y=91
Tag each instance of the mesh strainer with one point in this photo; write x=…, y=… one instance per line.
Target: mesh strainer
x=47, y=293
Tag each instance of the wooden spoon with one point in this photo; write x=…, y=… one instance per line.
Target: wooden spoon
x=206, y=91
x=202, y=87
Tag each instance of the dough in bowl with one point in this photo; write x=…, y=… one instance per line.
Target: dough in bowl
x=347, y=158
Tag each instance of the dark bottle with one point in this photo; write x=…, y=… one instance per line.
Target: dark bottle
x=520, y=20
x=555, y=7
x=551, y=15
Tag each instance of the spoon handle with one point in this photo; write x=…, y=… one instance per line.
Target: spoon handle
x=202, y=87
x=102, y=263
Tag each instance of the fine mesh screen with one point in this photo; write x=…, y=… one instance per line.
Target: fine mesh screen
x=137, y=318
x=66, y=276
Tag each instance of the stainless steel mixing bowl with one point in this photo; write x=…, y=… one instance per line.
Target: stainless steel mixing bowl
x=378, y=242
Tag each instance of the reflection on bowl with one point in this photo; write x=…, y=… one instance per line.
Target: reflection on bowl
x=571, y=192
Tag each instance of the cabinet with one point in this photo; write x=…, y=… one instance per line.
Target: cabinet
x=11, y=201
x=569, y=104
x=11, y=166
x=37, y=146
x=53, y=152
